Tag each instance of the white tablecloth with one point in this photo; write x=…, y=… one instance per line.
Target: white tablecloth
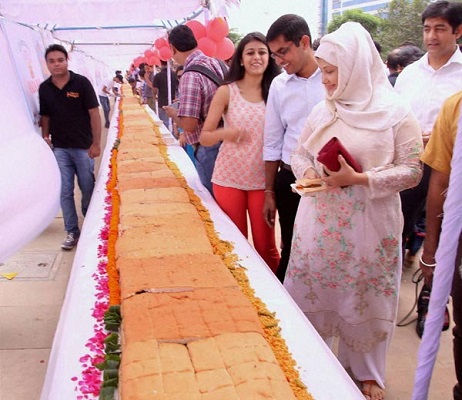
x=320, y=371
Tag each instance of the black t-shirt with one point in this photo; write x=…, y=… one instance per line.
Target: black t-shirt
x=160, y=82
x=67, y=108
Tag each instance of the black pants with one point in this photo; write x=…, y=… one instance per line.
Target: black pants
x=413, y=203
x=287, y=205
x=457, y=317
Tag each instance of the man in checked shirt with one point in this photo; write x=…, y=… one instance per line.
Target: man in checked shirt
x=195, y=95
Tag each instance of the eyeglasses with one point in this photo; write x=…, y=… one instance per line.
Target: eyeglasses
x=281, y=53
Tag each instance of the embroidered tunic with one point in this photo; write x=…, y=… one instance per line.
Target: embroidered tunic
x=345, y=265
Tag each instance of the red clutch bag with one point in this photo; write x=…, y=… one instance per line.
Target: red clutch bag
x=328, y=156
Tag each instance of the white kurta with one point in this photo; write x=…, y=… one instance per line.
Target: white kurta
x=345, y=265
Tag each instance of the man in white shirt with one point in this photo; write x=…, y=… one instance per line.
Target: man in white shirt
x=106, y=90
x=426, y=84
x=291, y=97
x=117, y=89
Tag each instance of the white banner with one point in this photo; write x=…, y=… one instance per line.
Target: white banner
x=30, y=182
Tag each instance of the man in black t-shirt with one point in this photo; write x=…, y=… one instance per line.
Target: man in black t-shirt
x=71, y=125
x=160, y=89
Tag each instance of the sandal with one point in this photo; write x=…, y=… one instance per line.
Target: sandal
x=372, y=391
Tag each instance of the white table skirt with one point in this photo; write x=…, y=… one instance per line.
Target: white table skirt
x=319, y=369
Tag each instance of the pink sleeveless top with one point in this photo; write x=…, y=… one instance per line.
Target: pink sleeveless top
x=240, y=165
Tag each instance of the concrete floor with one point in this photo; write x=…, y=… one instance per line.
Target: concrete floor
x=30, y=305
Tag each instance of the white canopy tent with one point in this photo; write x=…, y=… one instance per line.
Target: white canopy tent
x=112, y=32
x=101, y=36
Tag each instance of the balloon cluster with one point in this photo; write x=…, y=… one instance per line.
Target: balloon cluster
x=211, y=39
x=153, y=56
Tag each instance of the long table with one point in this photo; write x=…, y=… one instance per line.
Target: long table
x=319, y=368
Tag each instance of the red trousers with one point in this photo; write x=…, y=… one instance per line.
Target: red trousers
x=236, y=203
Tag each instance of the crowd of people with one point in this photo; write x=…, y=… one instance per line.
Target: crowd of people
x=253, y=131
x=151, y=85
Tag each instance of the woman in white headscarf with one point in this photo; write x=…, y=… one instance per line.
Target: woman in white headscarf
x=345, y=265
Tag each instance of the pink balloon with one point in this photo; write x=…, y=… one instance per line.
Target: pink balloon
x=197, y=28
x=225, y=49
x=138, y=60
x=207, y=46
x=153, y=60
x=160, y=42
x=148, y=53
x=217, y=29
x=165, y=53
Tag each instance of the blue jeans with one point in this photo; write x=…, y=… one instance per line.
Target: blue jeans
x=205, y=162
x=190, y=151
x=73, y=162
x=104, y=101
x=164, y=117
x=151, y=103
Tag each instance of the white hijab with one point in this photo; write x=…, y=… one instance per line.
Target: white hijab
x=364, y=98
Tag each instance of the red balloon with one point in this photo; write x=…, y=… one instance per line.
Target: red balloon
x=225, y=49
x=153, y=60
x=138, y=60
x=217, y=29
x=161, y=42
x=148, y=53
x=208, y=46
x=197, y=28
x=165, y=53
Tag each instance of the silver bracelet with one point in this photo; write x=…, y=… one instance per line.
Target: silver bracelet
x=425, y=264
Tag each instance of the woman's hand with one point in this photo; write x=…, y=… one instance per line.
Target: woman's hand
x=310, y=173
x=345, y=176
x=232, y=135
x=210, y=138
x=269, y=208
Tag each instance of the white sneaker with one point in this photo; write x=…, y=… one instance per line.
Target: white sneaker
x=70, y=242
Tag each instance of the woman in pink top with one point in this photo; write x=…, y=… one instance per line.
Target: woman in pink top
x=239, y=174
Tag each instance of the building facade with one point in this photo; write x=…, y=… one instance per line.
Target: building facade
x=329, y=9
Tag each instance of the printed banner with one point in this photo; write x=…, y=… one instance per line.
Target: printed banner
x=26, y=49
